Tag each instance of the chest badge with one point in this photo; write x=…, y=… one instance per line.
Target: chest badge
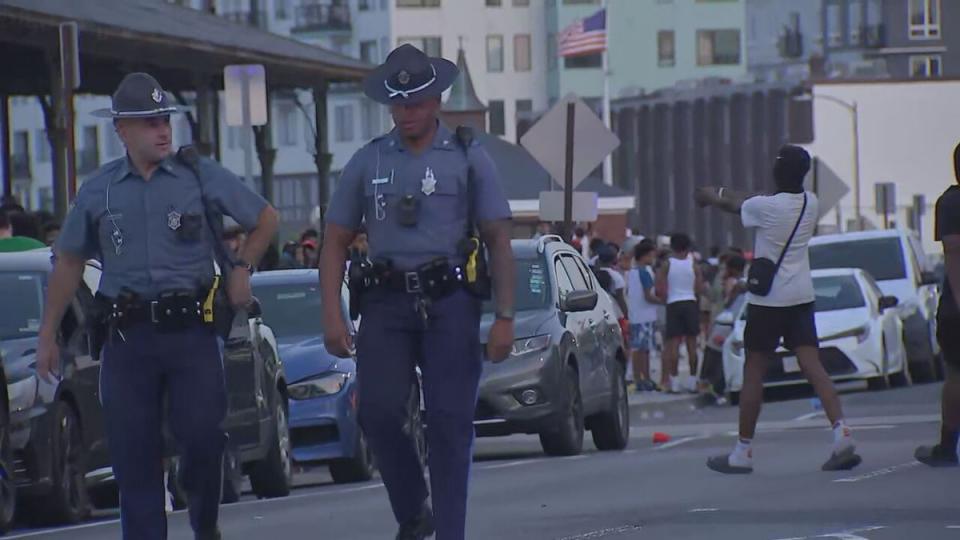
x=173, y=220
x=428, y=185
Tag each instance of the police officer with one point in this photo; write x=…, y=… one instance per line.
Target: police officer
x=144, y=217
x=410, y=187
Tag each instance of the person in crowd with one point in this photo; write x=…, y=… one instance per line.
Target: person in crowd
x=782, y=307
x=309, y=253
x=679, y=282
x=9, y=240
x=288, y=256
x=642, y=305
x=50, y=232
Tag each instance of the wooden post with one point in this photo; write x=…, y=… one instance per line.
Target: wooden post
x=322, y=156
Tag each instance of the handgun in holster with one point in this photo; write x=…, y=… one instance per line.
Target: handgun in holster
x=359, y=280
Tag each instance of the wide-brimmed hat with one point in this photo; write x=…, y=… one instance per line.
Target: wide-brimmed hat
x=409, y=76
x=138, y=95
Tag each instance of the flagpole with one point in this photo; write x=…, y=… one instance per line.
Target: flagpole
x=608, y=161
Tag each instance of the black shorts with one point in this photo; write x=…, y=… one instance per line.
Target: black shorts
x=766, y=326
x=683, y=319
x=949, y=338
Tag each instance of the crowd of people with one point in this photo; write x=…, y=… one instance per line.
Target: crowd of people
x=21, y=230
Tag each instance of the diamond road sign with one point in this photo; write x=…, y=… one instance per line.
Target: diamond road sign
x=592, y=141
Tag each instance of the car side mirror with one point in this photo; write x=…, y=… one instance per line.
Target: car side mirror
x=887, y=302
x=577, y=301
x=929, y=278
x=254, y=311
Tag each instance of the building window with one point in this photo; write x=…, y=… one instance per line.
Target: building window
x=343, y=123
x=718, y=47
x=45, y=199
x=289, y=126
x=926, y=66
x=418, y=3
x=494, y=3
x=41, y=146
x=368, y=52
x=369, y=119
x=494, y=54
x=21, y=154
x=431, y=45
x=114, y=145
x=834, y=30
x=924, y=19
x=583, y=62
x=498, y=123
x=88, y=156
x=521, y=52
x=855, y=22
x=234, y=135
x=524, y=106
x=281, y=9
x=521, y=3
x=666, y=52
x=552, y=53
x=384, y=48
x=365, y=5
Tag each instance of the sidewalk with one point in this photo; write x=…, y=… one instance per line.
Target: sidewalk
x=657, y=405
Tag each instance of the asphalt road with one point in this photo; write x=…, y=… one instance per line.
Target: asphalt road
x=653, y=492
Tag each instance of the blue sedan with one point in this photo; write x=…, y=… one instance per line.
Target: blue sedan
x=322, y=388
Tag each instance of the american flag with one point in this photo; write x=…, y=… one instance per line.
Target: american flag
x=585, y=36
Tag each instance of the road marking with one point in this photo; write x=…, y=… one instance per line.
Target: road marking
x=850, y=534
x=632, y=451
x=603, y=532
x=880, y=472
x=953, y=526
x=808, y=416
x=510, y=464
x=572, y=458
x=64, y=529
x=699, y=510
x=678, y=442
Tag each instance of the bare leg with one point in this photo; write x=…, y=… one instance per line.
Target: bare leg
x=669, y=361
x=641, y=366
x=809, y=360
x=751, y=395
x=692, y=351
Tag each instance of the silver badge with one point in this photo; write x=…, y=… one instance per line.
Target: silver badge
x=157, y=95
x=403, y=77
x=173, y=220
x=428, y=185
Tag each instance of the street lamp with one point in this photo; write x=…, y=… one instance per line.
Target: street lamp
x=851, y=107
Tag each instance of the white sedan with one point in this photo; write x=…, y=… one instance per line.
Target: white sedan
x=861, y=338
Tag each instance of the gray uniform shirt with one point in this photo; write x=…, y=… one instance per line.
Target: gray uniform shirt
x=381, y=173
x=166, y=242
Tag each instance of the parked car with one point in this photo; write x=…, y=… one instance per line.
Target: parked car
x=861, y=336
x=322, y=388
x=896, y=260
x=566, y=372
x=60, y=456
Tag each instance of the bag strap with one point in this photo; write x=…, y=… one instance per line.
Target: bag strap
x=792, y=234
x=465, y=138
x=190, y=158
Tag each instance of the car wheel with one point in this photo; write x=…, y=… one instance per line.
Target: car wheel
x=273, y=475
x=611, y=429
x=232, y=477
x=67, y=502
x=105, y=496
x=881, y=382
x=901, y=378
x=923, y=366
x=566, y=437
x=358, y=468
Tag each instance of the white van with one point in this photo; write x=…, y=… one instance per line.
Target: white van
x=896, y=260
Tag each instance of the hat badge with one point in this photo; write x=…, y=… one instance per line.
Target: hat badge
x=156, y=95
x=403, y=77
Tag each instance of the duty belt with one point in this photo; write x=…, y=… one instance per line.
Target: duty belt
x=433, y=280
x=171, y=311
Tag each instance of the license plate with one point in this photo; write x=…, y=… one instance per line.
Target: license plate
x=790, y=364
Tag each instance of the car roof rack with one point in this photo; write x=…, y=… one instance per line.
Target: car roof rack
x=546, y=239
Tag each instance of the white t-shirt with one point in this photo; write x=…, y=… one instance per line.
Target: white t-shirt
x=641, y=311
x=617, y=284
x=774, y=217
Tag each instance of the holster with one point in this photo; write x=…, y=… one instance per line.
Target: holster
x=359, y=280
x=477, y=271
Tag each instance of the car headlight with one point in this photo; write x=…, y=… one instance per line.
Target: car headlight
x=22, y=394
x=325, y=385
x=862, y=333
x=529, y=345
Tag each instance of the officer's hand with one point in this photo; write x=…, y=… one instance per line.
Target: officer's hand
x=48, y=359
x=238, y=288
x=500, y=341
x=337, y=339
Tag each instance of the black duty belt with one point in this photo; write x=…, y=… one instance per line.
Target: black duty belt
x=434, y=279
x=171, y=311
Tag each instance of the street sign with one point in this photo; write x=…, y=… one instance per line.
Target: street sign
x=245, y=94
x=885, y=195
x=827, y=186
x=592, y=141
x=584, y=206
x=920, y=204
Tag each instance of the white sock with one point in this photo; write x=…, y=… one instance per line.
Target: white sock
x=742, y=455
x=842, y=436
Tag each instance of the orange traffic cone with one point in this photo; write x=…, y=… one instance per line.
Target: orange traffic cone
x=659, y=437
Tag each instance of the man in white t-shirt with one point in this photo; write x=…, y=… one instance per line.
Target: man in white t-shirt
x=642, y=304
x=787, y=311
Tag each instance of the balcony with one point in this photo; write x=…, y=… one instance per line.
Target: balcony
x=20, y=165
x=791, y=44
x=315, y=17
x=243, y=17
x=88, y=159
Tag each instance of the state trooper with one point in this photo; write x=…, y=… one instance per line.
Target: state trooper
x=411, y=187
x=144, y=216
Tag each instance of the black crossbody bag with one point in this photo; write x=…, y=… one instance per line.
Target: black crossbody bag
x=477, y=270
x=763, y=270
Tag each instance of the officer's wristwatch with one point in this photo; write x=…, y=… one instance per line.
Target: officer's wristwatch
x=246, y=266
x=504, y=314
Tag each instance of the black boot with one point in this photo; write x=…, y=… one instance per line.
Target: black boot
x=209, y=535
x=418, y=528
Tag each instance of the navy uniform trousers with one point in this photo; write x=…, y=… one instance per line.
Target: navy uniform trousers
x=135, y=375
x=392, y=341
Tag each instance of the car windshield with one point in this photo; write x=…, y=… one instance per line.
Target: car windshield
x=837, y=292
x=881, y=257
x=22, y=294
x=532, y=289
x=291, y=309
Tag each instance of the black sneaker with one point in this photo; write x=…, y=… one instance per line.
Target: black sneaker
x=935, y=456
x=209, y=535
x=721, y=464
x=418, y=528
x=844, y=460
